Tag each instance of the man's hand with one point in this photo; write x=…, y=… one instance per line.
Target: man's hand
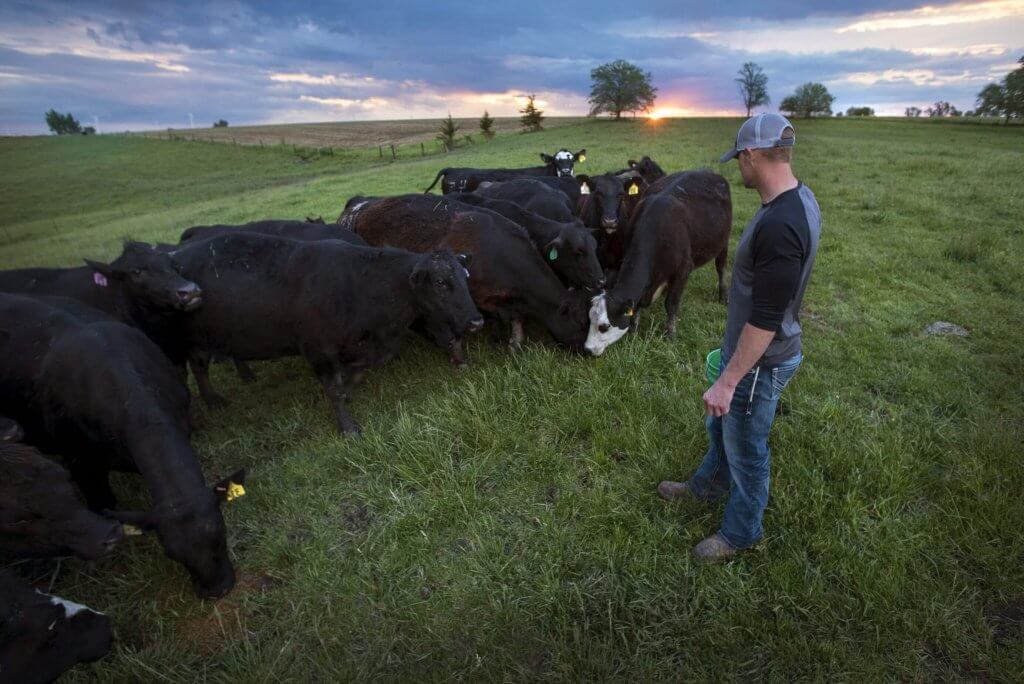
x=718, y=398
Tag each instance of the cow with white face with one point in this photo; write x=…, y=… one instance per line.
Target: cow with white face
x=603, y=333
x=563, y=161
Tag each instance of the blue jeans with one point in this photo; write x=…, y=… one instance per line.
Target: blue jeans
x=738, y=458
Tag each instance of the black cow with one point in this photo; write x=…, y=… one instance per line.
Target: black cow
x=140, y=288
x=682, y=223
x=341, y=306
x=646, y=168
x=456, y=178
x=569, y=248
x=42, y=636
x=607, y=203
x=508, y=278
x=531, y=195
x=103, y=395
x=41, y=514
x=294, y=230
x=567, y=185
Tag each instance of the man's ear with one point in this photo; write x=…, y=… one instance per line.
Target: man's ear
x=230, y=488
x=580, y=156
x=547, y=158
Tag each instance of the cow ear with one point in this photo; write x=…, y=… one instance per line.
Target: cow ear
x=585, y=183
x=551, y=249
x=581, y=156
x=230, y=488
x=547, y=158
x=632, y=186
x=629, y=307
x=464, y=259
x=632, y=163
x=105, y=270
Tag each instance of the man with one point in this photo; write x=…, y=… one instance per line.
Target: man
x=761, y=349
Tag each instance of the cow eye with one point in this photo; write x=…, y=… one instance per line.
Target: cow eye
x=440, y=282
x=136, y=271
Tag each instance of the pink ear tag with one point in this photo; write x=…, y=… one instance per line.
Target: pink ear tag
x=99, y=279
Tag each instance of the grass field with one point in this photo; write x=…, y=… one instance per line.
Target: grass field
x=501, y=522
x=351, y=133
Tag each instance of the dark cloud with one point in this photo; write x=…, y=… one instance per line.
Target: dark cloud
x=149, y=64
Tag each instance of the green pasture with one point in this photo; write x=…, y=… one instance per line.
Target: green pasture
x=500, y=523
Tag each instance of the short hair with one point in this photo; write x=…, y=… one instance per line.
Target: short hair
x=780, y=154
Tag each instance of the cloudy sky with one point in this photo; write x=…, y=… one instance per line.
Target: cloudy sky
x=135, y=64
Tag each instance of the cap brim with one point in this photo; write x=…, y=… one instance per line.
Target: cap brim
x=728, y=156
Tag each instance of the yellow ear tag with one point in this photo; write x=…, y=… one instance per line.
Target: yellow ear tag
x=582, y=158
x=629, y=312
x=235, y=491
x=633, y=190
x=584, y=189
x=130, y=530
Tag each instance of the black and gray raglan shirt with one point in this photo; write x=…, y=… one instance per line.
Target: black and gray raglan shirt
x=770, y=271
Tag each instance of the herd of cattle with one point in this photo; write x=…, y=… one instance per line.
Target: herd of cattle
x=93, y=359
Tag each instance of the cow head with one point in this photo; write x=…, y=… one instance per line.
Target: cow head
x=562, y=161
x=648, y=169
x=610, y=318
x=42, y=515
x=572, y=254
x=612, y=199
x=10, y=431
x=440, y=281
x=568, y=323
x=149, y=276
x=192, y=533
x=47, y=635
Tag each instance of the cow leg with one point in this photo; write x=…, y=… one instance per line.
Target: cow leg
x=200, y=365
x=720, y=262
x=94, y=484
x=458, y=354
x=516, y=334
x=336, y=386
x=245, y=373
x=672, y=299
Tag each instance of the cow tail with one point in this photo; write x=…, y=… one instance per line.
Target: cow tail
x=440, y=173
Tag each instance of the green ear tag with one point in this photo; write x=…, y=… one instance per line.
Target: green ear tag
x=553, y=254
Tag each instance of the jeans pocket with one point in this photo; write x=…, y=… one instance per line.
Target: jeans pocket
x=781, y=375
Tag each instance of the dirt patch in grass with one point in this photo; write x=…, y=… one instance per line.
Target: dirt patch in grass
x=1006, y=620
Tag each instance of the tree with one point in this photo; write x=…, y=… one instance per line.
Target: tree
x=810, y=99
x=88, y=130
x=487, y=125
x=620, y=87
x=446, y=133
x=532, y=118
x=912, y=112
x=943, y=108
x=753, y=84
x=1005, y=98
x=62, y=124
x=860, y=111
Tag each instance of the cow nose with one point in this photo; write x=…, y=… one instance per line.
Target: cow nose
x=603, y=327
x=609, y=223
x=600, y=283
x=475, y=325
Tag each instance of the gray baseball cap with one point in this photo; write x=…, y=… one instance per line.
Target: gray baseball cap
x=759, y=133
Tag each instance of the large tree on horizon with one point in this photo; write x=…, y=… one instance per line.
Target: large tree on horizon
x=753, y=83
x=620, y=86
x=810, y=99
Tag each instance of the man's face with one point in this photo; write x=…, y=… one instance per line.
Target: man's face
x=746, y=162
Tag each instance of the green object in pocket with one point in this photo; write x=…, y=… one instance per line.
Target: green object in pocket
x=711, y=364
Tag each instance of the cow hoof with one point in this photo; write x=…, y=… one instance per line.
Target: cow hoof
x=351, y=430
x=670, y=333
x=460, y=364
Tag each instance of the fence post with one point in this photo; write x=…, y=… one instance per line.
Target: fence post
x=380, y=150
x=393, y=155
x=423, y=151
